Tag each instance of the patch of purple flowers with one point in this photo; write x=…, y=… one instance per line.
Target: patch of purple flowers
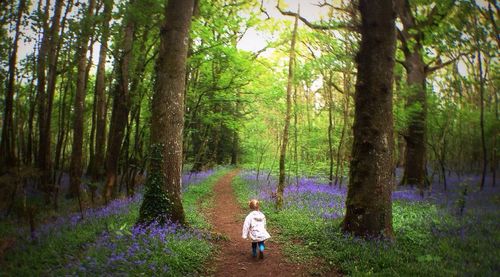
x=326, y=201
x=134, y=250
x=115, y=207
x=192, y=178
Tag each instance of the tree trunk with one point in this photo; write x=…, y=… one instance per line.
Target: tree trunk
x=291, y=63
x=481, y=119
x=296, y=135
x=79, y=106
x=121, y=107
x=416, y=150
x=340, y=162
x=369, y=205
x=330, y=131
x=7, y=144
x=163, y=194
x=44, y=156
x=41, y=158
x=97, y=167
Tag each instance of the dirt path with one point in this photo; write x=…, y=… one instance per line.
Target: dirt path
x=235, y=256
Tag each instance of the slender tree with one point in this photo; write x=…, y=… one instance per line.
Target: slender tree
x=163, y=186
x=44, y=156
x=79, y=102
x=7, y=142
x=97, y=166
x=284, y=143
x=121, y=106
x=369, y=207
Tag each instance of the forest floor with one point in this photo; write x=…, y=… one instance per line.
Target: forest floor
x=234, y=257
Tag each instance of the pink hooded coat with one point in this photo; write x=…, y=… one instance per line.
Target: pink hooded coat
x=255, y=227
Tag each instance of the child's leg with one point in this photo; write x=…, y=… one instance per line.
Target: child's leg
x=254, y=249
x=261, y=246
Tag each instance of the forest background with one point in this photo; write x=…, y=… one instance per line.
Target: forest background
x=78, y=79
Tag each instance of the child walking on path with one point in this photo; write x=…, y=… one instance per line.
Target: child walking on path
x=255, y=228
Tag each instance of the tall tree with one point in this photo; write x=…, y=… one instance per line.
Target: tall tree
x=284, y=142
x=121, y=105
x=44, y=156
x=412, y=43
x=369, y=206
x=7, y=140
x=79, y=101
x=482, y=81
x=163, y=186
x=97, y=165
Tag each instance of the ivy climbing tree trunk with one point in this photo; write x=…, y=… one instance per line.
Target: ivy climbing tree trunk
x=369, y=206
x=162, y=199
x=284, y=143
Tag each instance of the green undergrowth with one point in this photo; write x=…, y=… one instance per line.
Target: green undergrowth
x=199, y=198
x=100, y=245
x=428, y=241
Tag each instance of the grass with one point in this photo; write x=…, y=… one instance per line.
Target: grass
x=429, y=240
x=106, y=242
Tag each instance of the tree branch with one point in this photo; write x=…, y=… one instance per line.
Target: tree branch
x=430, y=69
x=264, y=11
x=316, y=26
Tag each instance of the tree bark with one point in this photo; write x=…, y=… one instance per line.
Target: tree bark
x=369, y=205
x=121, y=107
x=330, y=131
x=416, y=150
x=41, y=96
x=340, y=161
x=284, y=143
x=481, y=118
x=79, y=106
x=97, y=167
x=45, y=161
x=163, y=194
x=7, y=144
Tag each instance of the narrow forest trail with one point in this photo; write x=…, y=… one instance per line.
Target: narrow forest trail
x=234, y=257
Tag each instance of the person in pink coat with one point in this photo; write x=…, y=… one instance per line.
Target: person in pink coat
x=255, y=228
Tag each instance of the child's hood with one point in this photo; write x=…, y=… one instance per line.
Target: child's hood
x=257, y=216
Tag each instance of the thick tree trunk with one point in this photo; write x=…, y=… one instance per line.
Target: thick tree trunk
x=7, y=143
x=416, y=150
x=284, y=143
x=369, y=206
x=119, y=116
x=163, y=194
x=79, y=107
x=97, y=166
